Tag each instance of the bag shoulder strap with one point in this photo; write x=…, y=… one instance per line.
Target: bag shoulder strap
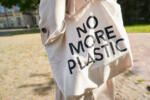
x=74, y=7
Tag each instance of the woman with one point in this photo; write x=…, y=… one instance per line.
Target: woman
x=53, y=14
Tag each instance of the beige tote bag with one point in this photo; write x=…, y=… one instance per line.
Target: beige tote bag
x=85, y=46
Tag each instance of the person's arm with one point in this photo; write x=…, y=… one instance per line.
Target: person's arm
x=52, y=14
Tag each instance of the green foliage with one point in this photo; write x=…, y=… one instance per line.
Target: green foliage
x=135, y=11
x=141, y=81
x=8, y=3
x=25, y=5
x=138, y=28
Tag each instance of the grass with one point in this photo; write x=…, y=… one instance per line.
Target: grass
x=138, y=28
x=12, y=32
x=148, y=93
x=140, y=81
x=130, y=29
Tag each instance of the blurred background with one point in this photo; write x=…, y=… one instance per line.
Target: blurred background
x=24, y=13
x=25, y=73
x=19, y=13
x=135, y=11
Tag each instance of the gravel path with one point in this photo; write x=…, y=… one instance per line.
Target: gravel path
x=135, y=83
x=25, y=72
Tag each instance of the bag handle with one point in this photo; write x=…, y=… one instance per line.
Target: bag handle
x=71, y=6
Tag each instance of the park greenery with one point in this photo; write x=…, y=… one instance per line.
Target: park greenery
x=25, y=5
x=135, y=12
x=138, y=28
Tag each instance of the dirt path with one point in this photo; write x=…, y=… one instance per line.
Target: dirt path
x=24, y=69
x=25, y=72
x=140, y=44
x=135, y=84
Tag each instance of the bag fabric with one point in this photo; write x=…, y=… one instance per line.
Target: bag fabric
x=103, y=92
x=86, y=44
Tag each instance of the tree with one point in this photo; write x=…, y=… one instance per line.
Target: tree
x=135, y=11
x=25, y=5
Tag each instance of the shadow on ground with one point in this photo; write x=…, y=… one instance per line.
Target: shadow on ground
x=148, y=88
x=41, y=88
x=11, y=32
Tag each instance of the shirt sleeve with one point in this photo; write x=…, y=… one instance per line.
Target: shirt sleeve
x=52, y=15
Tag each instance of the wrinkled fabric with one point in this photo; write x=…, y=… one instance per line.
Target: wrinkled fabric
x=87, y=46
x=104, y=92
x=52, y=14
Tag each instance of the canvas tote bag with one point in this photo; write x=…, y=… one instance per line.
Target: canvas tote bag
x=85, y=46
